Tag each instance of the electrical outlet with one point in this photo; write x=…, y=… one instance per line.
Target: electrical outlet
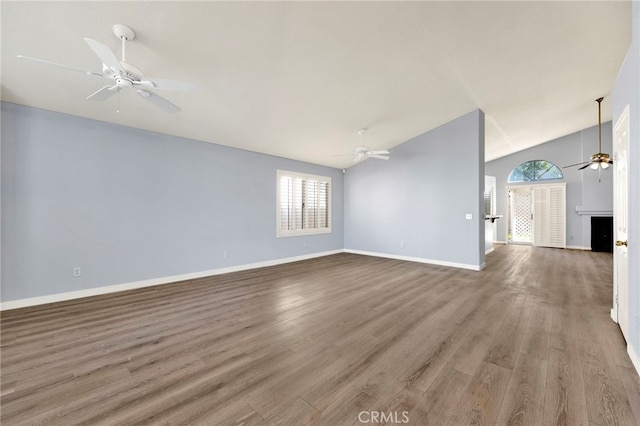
x=468, y=216
x=77, y=271
x=402, y=244
x=225, y=254
x=304, y=245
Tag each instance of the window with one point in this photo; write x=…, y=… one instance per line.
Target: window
x=535, y=170
x=304, y=204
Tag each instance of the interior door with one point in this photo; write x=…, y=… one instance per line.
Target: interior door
x=621, y=220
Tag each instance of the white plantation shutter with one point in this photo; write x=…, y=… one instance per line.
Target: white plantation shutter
x=323, y=205
x=304, y=205
x=549, y=216
x=557, y=217
x=285, y=202
x=298, y=203
x=541, y=230
x=312, y=204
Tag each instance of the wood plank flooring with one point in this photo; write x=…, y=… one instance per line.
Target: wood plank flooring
x=339, y=340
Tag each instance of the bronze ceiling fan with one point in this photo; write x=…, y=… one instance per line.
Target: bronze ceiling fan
x=599, y=160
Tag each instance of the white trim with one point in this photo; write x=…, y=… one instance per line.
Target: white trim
x=487, y=251
x=578, y=248
x=33, y=301
x=614, y=314
x=500, y=242
x=418, y=259
x=635, y=358
x=589, y=212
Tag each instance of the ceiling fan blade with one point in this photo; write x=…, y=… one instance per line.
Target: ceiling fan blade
x=379, y=157
x=105, y=54
x=380, y=152
x=103, y=94
x=585, y=166
x=577, y=164
x=59, y=65
x=159, y=83
x=158, y=101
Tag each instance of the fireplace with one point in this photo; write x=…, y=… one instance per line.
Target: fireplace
x=602, y=233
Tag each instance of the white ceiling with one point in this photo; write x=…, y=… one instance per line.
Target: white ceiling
x=298, y=79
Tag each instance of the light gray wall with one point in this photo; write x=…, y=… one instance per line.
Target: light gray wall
x=126, y=205
x=583, y=188
x=415, y=204
x=627, y=92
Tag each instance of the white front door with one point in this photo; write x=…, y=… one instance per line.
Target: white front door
x=621, y=220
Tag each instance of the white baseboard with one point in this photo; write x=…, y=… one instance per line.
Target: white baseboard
x=578, y=248
x=635, y=358
x=614, y=315
x=418, y=259
x=33, y=301
x=500, y=242
x=491, y=250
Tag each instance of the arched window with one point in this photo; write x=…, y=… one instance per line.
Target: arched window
x=535, y=170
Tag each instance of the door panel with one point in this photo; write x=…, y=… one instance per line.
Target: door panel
x=621, y=220
x=549, y=218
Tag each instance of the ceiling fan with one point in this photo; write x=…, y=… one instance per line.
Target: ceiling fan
x=362, y=152
x=599, y=160
x=124, y=75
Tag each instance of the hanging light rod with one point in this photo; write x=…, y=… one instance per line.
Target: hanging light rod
x=600, y=160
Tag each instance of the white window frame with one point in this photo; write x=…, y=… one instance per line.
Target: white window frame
x=305, y=231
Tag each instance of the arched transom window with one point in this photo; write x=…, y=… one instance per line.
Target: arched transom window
x=535, y=170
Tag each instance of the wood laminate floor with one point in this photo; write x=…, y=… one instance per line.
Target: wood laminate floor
x=527, y=341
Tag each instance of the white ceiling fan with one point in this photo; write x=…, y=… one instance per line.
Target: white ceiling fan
x=362, y=152
x=124, y=75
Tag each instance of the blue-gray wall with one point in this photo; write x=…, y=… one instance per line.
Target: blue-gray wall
x=127, y=205
x=584, y=191
x=627, y=92
x=415, y=204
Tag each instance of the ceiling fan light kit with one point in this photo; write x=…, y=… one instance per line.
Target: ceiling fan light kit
x=124, y=75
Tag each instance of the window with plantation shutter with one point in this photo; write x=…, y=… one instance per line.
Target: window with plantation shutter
x=304, y=204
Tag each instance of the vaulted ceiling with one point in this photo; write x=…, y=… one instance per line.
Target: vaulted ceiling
x=299, y=79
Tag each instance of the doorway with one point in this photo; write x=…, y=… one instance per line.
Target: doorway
x=537, y=215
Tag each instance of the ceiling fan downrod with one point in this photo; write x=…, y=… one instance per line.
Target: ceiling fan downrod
x=599, y=101
x=125, y=34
